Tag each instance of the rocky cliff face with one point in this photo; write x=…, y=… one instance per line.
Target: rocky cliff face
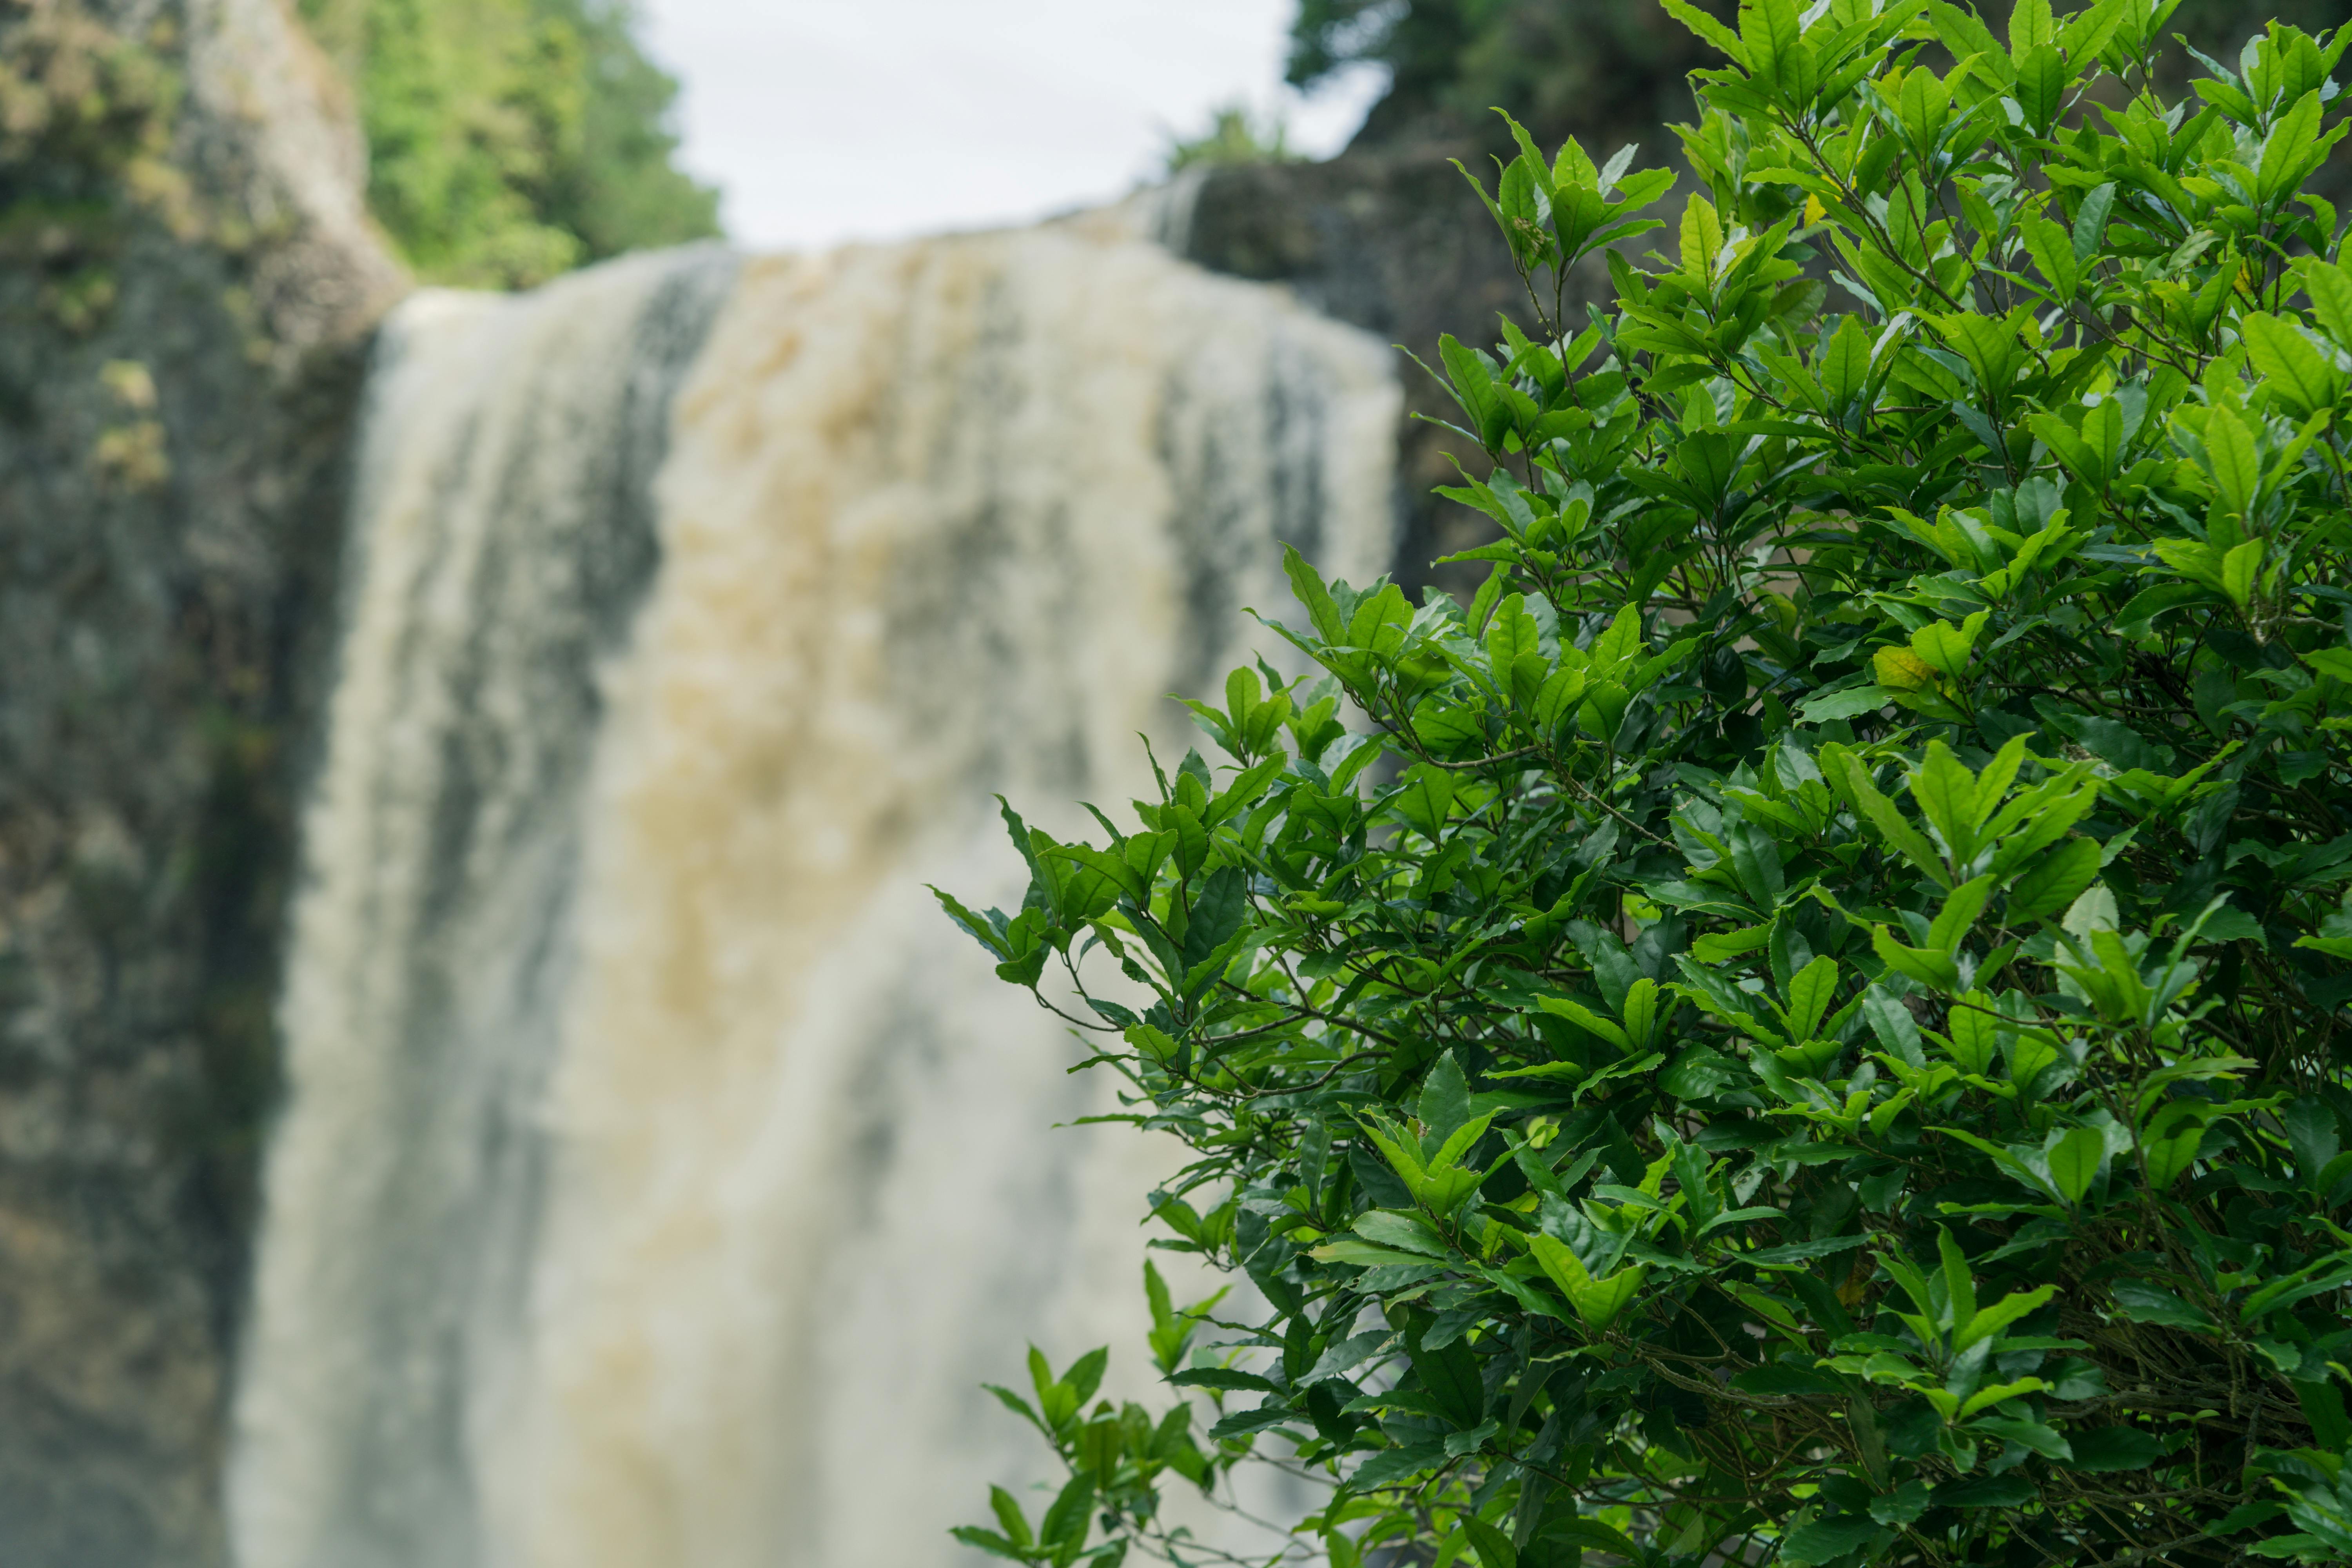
x=1395, y=241
x=186, y=276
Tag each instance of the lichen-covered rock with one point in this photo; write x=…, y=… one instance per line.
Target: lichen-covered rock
x=186, y=276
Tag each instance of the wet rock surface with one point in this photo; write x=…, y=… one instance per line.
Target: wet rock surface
x=1393, y=241
x=186, y=280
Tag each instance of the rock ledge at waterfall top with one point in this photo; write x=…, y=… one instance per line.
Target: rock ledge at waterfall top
x=1391, y=240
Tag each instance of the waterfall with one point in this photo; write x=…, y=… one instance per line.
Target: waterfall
x=660, y=1173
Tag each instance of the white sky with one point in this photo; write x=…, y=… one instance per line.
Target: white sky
x=823, y=120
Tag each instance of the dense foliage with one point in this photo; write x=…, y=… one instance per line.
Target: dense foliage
x=510, y=139
x=1806, y=1023
x=1235, y=135
x=1584, y=67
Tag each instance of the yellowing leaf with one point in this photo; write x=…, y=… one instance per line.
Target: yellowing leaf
x=2239, y=568
x=1904, y=671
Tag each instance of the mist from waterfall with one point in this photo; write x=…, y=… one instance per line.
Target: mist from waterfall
x=660, y=1173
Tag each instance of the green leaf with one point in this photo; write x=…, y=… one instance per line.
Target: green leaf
x=1585, y=1018
x=1707, y=27
x=1843, y=704
x=1907, y=839
x=2239, y=568
x=1397, y=1464
x=2148, y=1303
x=2052, y=250
x=1366, y=1254
x=2053, y=882
x=1067, y=1520
x=1229, y=1379
x=1946, y=647
x=1603, y=1301
x=2169, y=1157
x=2000, y=1393
x=1989, y=1320
x=1113, y=877
x=2288, y=362
x=2011, y=1490
x=1086, y=1372
x=1947, y=794
x=1786, y=1382
x=1811, y=993
x=2100, y=1448
x=1960, y=1286
x=2075, y=1162
x=989, y=1541
x=2040, y=88
x=1410, y=1232
x=1829, y=1538
x=2030, y=27
x=2291, y=141
x=1930, y=966
x=2091, y=224
x=1593, y=1535
x=2323, y=1406
x=1958, y=916
x=1805, y=1251
x=1493, y=1548
x=1483, y=602
x=1445, y=1098
x=2330, y=288
x=2230, y=448
x=2046, y=1441
x=1307, y=584
x=1009, y=1517
x=1424, y=798
x=1844, y=364
x=1770, y=31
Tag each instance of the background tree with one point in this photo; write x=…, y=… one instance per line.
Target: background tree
x=1234, y=134
x=1804, y=1024
x=1602, y=69
x=510, y=140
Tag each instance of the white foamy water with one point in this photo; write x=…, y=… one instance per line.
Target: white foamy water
x=661, y=1172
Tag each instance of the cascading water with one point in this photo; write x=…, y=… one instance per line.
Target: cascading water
x=660, y=1173
x=504, y=536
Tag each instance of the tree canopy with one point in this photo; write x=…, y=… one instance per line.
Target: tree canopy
x=1603, y=69
x=510, y=140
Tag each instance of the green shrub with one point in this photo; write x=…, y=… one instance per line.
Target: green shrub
x=1806, y=1028
x=1235, y=135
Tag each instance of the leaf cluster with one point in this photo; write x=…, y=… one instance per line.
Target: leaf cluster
x=1804, y=1025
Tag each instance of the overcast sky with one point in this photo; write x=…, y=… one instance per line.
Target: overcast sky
x=830, y=119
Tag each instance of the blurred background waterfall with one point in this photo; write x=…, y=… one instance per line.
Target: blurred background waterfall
x=481, y=1083
x=660, y=1173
